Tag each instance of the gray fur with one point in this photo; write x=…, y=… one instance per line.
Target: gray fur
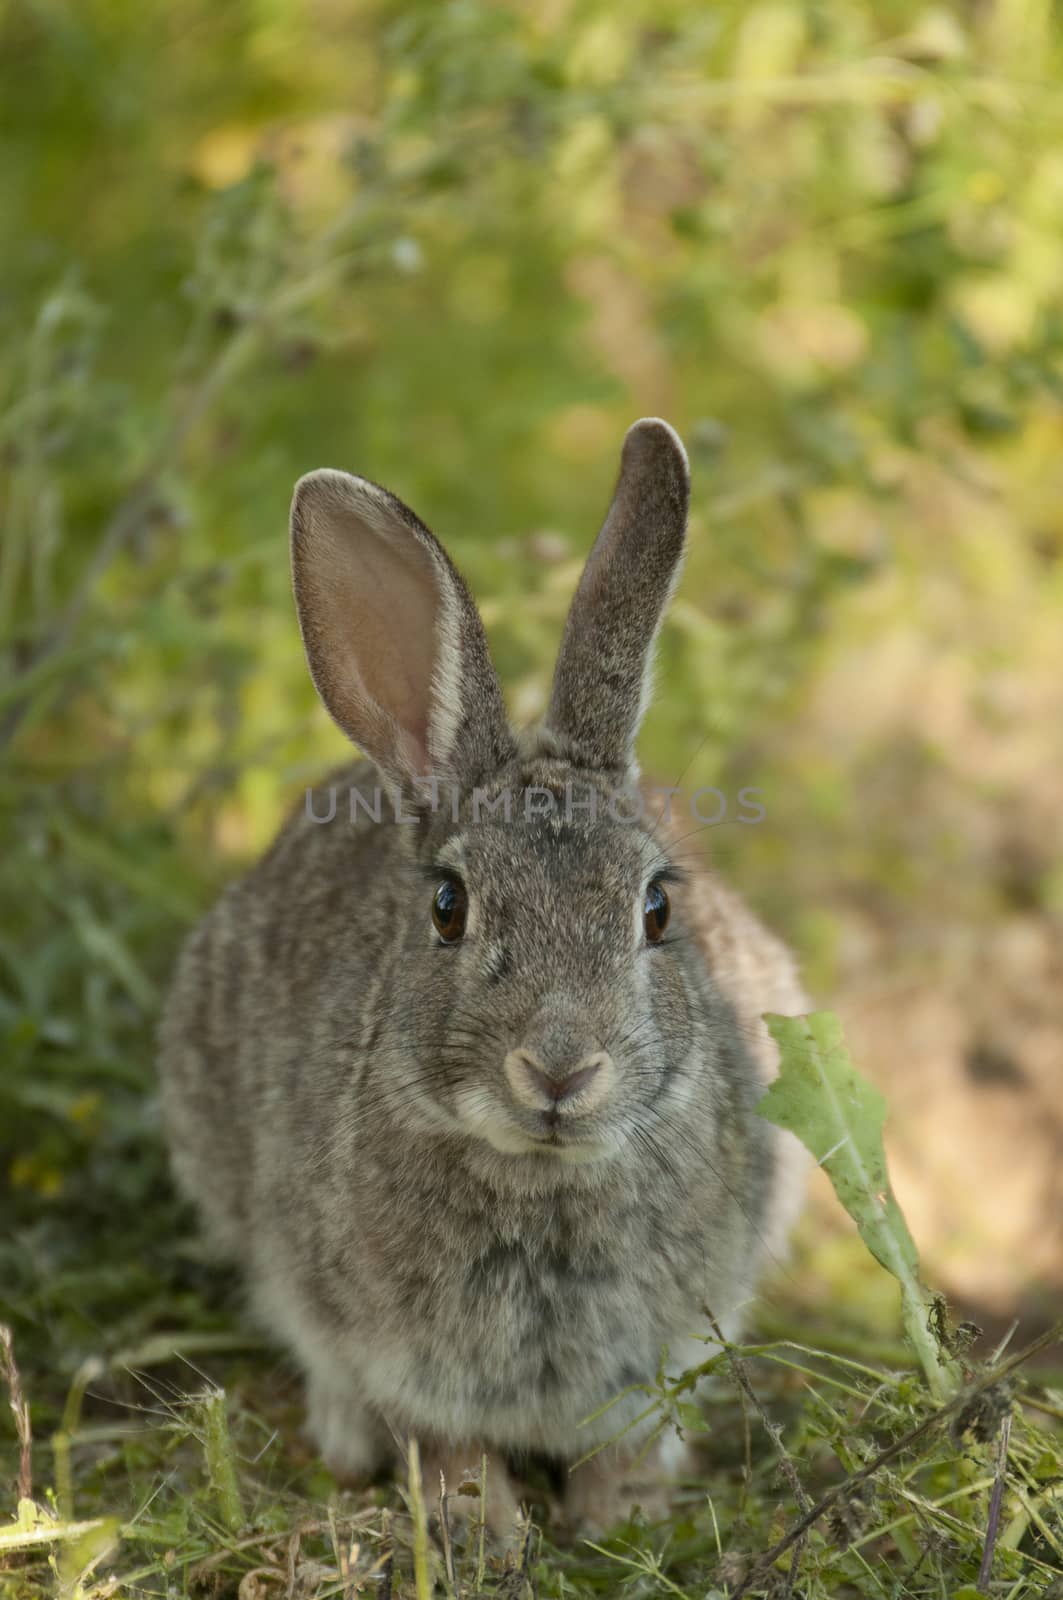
x=333, y=1075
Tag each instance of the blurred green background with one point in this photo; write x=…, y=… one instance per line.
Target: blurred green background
x=458, y=247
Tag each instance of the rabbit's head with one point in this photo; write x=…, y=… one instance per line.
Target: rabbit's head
x=547, y=1007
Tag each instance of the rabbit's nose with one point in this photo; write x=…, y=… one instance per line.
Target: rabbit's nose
x=540, y=1090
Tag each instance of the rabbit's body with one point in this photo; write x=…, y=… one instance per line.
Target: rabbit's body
x=461, y=1237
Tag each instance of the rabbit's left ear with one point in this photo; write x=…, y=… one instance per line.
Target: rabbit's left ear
x=602, y=681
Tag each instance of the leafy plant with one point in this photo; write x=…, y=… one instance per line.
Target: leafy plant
x=838, y=1116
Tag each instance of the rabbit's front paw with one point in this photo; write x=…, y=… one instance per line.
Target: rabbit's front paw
x=604, y=1490
x=461, y=1467
x=345, y=1432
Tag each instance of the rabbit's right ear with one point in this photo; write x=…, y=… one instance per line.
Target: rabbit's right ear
x=395, y=644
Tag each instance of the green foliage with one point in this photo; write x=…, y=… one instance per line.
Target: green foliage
x=220, y=1460
x=838, y=1116
x=459, y=246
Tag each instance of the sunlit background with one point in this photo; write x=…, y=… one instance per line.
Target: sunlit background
x=458, y=247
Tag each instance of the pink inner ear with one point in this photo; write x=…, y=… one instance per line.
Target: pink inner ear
x=373, y=600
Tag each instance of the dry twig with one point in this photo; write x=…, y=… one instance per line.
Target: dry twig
x=20, y=1407
x=995, y=1502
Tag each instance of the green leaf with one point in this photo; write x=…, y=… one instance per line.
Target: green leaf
x=691, y=1417
x=839, y=1116
x=34, y=1526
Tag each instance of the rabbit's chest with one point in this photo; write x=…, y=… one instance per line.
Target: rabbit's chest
x=547, y=1292
x=474, y=1321
x=549, y=1324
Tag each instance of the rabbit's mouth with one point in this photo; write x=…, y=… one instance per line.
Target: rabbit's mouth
x=553, y=1136
x=561, y=1141
x=573, y=1149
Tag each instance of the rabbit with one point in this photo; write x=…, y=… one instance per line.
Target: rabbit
x=469, y=1096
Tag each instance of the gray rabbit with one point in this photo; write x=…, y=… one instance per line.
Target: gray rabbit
x=469, y=1090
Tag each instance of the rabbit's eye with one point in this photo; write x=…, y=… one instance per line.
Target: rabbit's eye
x=655, y=913
x=449, y=908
